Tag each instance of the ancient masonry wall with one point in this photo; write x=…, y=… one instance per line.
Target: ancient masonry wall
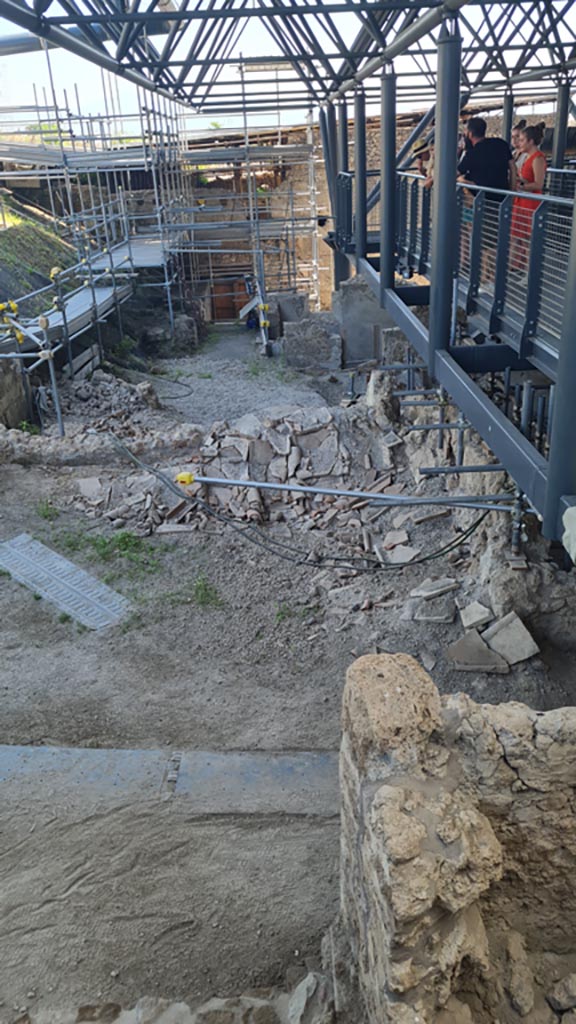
x=458, y=902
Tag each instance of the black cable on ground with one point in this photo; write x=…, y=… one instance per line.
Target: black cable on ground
x=156, y=378
x=290, y=553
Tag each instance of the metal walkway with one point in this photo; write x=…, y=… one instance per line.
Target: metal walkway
x=498, y=273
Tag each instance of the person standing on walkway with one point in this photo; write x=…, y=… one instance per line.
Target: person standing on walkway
x=488, y=162
x=530, y=180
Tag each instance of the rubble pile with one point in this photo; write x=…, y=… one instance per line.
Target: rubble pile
x=312, y=446
x=104, y=395
x=310, y=1002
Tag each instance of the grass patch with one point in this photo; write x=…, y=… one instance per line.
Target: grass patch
x=37, y=597
x=45, y=509
x=64, y=617
x=205, y=376
x=133, y=621
x=120, y=547
x=201, y=593
x=205, y=593
x=28, y=428
x=4, y=573
x=255, y=368
x=284, y=611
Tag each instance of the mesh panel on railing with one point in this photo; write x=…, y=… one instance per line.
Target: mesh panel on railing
x=554, y=264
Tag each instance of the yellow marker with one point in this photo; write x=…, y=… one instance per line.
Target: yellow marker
x=185, y=478
x=19, y=337
x=13, y=306
x=54, y=272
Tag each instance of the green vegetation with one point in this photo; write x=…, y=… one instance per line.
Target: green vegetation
x=133, y=621
x=4, y=573
x=27, y=249
x=64, y=617
x=206, y=594
x=28, y=428
x=255, y=368
x=205, y=376
x=121, y=548
x=283, y=612
x=45, y=509
x=201, y=592
x=37, y=597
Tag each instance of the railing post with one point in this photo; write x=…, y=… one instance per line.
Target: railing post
x=444, y=219
x=507, y=115
x=475, y=261
x=502, y=259
x=388, y=182
x=360, y=214
x=560, y=125
x=425, y=231
x=561, y=478
x=534, y=284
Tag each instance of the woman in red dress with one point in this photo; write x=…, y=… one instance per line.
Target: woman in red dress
x=530, y=179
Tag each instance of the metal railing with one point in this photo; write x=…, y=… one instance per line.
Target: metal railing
x=512, y=262
x=510, y=268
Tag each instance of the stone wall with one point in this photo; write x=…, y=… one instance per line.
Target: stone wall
x=458, y=903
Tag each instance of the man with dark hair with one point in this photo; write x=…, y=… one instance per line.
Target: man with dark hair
x=487, y=162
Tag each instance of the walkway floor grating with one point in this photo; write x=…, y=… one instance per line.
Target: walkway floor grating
x=62, y=583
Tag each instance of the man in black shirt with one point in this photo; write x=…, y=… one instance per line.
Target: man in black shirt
x=487, y=162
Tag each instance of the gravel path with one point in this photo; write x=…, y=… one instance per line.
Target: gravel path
x=228, y=378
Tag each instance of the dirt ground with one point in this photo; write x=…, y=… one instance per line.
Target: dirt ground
x=114, y=901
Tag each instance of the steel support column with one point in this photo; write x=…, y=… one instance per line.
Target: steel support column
x=560, y=125
x=562, y=457
x=343, y=136
x=444, y=216
x=341, y=264
x=330, y=170
x=507, y=115
x=360, y=174
x=388, y=183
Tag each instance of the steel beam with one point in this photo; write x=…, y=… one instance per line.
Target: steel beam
x=444, y=215
x=526, y=465
x=410, y=35
x=360, y=174
x=387, y=183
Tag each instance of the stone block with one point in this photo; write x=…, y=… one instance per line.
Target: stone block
x=390, y=706
x=431, y=588
x=475, y=615
x=313, y=343
x=563, y=995
x=471, y=654
x=393, y=538
x=510, y=638
x=441, y=610
x=402, y=554
x=361, y=319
